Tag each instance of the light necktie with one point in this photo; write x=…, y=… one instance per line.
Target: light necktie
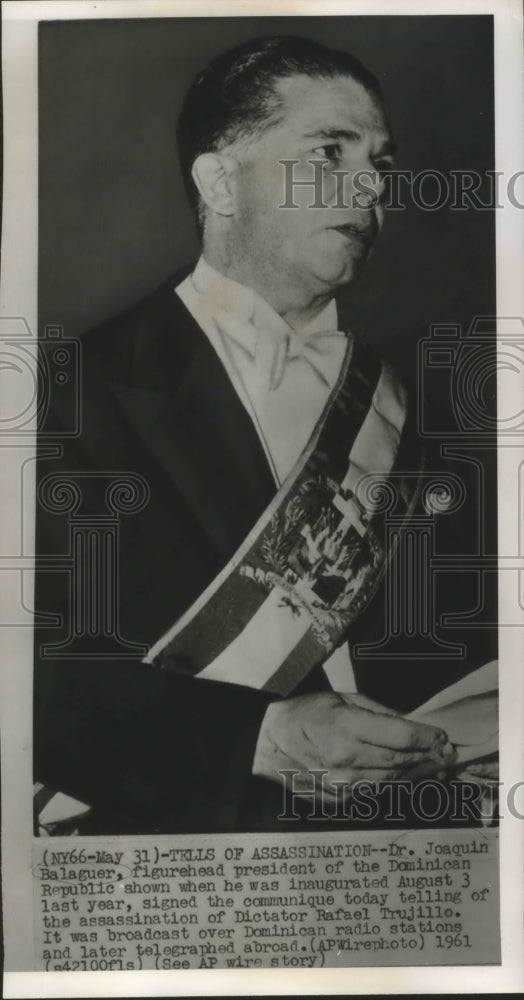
x=272, y=350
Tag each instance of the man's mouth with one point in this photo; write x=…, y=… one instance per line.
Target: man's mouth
x=364, y=236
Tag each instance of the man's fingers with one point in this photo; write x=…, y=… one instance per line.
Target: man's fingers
x=352, y=777
x=362, y=701
x=487, y=770
x=369, y=755
x=395, y=732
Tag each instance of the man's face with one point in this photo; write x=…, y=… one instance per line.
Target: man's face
x=314, y=250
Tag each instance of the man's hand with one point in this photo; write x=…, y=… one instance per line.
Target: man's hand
x=482, y=772
x=350, y=736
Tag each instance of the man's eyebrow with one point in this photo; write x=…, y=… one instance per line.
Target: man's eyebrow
x=387, y=148
x=330, y=133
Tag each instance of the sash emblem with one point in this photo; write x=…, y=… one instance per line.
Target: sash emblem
x=322, y=552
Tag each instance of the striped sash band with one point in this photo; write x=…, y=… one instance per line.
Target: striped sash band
x=313, y=560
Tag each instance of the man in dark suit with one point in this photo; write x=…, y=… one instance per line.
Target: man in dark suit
x=205, y=395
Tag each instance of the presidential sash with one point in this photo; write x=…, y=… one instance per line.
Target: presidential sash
x=316, y=556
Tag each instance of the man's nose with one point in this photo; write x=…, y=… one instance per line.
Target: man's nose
x=372, y=183
x=368, y=183
x=379, y=186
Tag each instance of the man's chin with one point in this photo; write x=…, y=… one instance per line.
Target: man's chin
x=336, y=274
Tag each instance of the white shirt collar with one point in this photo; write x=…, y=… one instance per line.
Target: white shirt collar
x=243, y=304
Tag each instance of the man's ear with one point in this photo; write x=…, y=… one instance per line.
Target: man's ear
x=212, y=174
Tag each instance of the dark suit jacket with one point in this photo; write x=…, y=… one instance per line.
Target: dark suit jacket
x=152, y=749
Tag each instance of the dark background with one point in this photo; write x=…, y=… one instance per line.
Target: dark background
x=113, y=215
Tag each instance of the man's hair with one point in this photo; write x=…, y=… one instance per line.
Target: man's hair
x=234, y=98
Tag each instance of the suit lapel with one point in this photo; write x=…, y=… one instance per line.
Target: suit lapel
x=179, y=400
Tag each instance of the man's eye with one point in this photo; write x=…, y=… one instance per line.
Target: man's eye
x=329, y=151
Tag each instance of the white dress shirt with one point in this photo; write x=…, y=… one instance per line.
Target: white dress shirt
x=283, y=376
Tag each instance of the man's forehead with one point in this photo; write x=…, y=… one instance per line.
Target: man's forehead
x=310, y=103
